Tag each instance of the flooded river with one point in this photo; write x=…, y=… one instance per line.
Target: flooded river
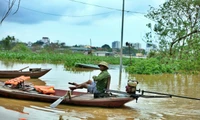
x=145, y=108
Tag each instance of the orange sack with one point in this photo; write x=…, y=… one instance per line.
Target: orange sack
x=45, y=89
x=17, y=80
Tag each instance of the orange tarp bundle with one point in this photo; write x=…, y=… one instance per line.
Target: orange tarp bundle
x=16, y=81
x=45, y=89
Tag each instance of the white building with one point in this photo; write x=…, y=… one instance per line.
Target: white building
x=136, y=45
x=103, y=53
x=116, y=44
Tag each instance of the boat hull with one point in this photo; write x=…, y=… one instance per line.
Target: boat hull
x=15, y=73
x=89, y=66
x=77, y=98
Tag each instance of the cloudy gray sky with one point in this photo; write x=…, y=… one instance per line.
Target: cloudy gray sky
x=77, y=21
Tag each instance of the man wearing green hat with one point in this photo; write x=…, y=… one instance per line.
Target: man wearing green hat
x=100, y=82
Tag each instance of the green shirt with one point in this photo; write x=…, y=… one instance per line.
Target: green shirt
x=101, y=80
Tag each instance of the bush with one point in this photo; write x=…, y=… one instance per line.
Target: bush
x=149, y=66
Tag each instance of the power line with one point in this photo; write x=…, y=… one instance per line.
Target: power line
x=95, y=5
x=106, y=7
x=66, y=15
x=82, y=15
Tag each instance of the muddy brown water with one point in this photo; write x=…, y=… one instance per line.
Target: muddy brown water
x=145, y=108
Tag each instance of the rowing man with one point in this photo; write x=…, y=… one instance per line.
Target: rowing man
x=99, y=83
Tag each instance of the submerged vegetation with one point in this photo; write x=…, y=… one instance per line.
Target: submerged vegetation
x=138, y=66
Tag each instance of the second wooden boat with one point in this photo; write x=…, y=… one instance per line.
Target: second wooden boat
x=32, y=72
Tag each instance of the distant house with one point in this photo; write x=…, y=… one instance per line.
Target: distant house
x=103, y=53
x=83, y=49
x=45, y=40
x=139, y=55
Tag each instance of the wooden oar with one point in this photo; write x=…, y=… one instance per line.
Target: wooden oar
x=138, y=95
x=23, y=68
x=143, y=91
x=59, y=100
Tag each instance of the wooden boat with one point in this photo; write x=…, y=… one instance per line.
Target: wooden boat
x=33, y=73
x=89, y=66
x=76, y=98
x=17, y=88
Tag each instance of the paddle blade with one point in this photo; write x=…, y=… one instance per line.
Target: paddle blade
x=57, y=102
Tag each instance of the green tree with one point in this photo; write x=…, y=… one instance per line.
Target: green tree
x=8, y=42
x=20, y=47
x=177, y=28
x=38, y=43
x=105, y=46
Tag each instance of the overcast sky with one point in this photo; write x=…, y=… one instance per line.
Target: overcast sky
x=75, y=22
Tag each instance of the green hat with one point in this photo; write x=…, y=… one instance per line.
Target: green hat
x=103, y=63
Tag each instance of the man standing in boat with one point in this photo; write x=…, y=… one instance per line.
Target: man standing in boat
x=100, y=82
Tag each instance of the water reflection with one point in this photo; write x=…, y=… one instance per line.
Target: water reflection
x=40, y=111
x=176, y=84
x=162, y=108
x=24, y=110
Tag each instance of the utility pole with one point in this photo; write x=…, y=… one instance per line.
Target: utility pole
x=121, y=51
